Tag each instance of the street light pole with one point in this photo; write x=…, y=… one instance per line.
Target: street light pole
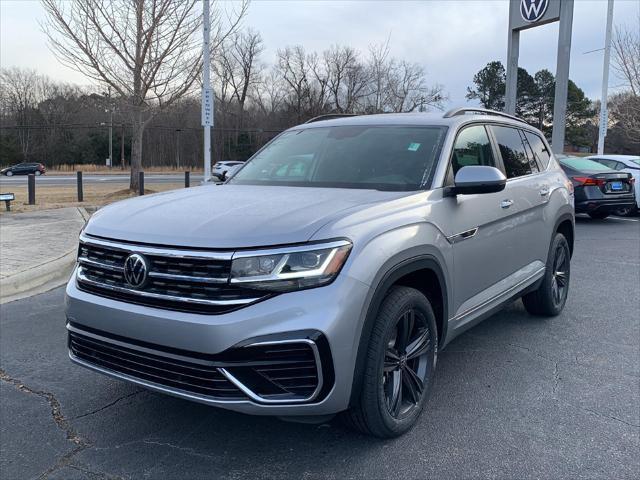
x=207, y=94
x=110, y=137
x=604, y=114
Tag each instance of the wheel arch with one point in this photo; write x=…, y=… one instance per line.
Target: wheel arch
x=565, y=225
x=416, y=272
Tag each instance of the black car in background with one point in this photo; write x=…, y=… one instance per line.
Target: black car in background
x=24, y=169
x=599, y=190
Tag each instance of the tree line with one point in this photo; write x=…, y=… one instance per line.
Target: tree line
x=144, y=60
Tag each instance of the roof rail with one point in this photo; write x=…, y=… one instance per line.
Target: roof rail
x=330, y=116
x=483, y=111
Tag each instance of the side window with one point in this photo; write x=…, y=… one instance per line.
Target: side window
x=472, y=147
x=514, y=155
x=539, y=149
x=532, y=158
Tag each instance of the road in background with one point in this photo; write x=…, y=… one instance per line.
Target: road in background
x=515, y=397
x=60, y=180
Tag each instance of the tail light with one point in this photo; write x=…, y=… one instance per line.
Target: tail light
x=588, y=181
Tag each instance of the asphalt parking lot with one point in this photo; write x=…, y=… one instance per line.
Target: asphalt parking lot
x=515, y=397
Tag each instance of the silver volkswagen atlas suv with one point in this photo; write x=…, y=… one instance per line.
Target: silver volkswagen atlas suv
x=325, y=275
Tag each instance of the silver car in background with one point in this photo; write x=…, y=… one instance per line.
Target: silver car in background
x=359, y=247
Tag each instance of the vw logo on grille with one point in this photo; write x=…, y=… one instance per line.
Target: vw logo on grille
x=135, y=270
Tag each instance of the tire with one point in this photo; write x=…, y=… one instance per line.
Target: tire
x=38, y=173
x=550, y=297
x=9, y=173
x=599, y=215
x=390, y=370
x=625, y=212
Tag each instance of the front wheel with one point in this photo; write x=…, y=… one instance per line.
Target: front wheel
x=549, y=299
x=38, y=172
x=400, y=365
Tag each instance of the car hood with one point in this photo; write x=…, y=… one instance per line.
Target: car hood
x=230, y=216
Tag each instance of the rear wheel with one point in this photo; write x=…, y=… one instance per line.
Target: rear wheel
x=400, y=364
x=599, y=215
x=9, y=173
x=625, y=212
x=549, y=299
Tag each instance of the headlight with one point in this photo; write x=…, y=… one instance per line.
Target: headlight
x=290, y=268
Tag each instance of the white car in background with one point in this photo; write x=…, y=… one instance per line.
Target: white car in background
x=623, y=163
x=224, y=170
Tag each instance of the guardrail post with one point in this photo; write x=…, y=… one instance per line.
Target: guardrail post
x=140, y=183
x=31, y=186
x=187, y=179
x=80, y=191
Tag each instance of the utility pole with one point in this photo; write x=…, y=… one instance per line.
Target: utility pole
x=207, y=93
x=178, y=147
x=122, y=146
x=110, y=136
x=604, y=113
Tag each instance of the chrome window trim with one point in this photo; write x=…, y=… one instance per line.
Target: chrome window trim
x=141, y=293
x=257, y=398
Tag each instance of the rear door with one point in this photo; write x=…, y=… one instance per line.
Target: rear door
x=524, y=197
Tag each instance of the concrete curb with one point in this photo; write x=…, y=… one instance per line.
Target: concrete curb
x=40, y=278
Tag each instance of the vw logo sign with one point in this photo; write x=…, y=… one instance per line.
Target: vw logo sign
x=135, y=270
x=533, y=10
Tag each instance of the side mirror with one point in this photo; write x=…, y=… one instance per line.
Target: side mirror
x=478, y=179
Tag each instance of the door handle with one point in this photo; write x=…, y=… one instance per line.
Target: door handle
x=544, y=190
x=506, y=203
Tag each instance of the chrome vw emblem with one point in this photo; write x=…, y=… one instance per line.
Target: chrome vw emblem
x=135, y=270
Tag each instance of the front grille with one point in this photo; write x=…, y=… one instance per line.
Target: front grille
x=200, y=378
x=190, y=281
x=285, y=371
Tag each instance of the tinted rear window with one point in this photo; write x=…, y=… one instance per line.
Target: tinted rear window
x=540, y=151
x=514, y=155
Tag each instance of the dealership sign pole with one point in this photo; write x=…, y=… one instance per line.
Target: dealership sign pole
x=604, y=114
x=524, y=14
x=207, y=92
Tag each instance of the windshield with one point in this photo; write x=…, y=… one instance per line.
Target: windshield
x=371, y=157
x=584, y=164
x=636, y=160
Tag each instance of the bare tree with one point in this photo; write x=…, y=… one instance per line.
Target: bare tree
x=22, y=92
x=408, y=90
x=626, y=56
x=379, y=67
x=147, y=51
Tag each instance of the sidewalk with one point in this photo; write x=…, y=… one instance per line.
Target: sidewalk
x=37, y=250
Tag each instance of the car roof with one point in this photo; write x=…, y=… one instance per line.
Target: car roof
x=413, y=119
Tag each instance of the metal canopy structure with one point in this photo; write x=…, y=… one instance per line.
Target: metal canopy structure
x=525, y=14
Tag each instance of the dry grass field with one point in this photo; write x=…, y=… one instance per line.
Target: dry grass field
x=95, y=195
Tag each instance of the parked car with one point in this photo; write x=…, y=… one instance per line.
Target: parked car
x=623, y=163
x=224, y=170
x=24, y=169
x=357, y=249
x=599, y=190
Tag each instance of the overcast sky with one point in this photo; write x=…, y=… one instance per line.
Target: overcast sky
x=451, y=39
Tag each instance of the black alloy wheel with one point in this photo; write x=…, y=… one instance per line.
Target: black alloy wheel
x=560, y=279
x=406, y=363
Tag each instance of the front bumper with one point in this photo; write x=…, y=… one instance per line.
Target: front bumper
x=333, y=315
